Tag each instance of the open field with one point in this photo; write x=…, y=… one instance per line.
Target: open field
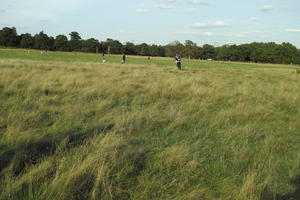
x=72, y=127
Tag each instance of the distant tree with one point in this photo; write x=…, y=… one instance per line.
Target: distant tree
x=61, y=43
x=285, y=53
x=161, y=51
x=8, y=37
x=191, y=50
x=174, y=48
x=244, y=51
x=51, y=43
x=144, y=49
x=130, y=48
x=114, y=46
x=296, y=59
x=75, y=44
x=27, y=41
x=155, y=50
x=90, y=45
x=42, y=41
x=208, y=52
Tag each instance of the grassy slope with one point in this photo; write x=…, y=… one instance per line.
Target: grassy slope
x=87, y=130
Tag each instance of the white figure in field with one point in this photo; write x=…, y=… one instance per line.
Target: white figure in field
x=103, y=58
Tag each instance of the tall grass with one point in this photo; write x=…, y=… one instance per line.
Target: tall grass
x=85, y=130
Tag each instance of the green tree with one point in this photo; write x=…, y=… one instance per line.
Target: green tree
x=90, y=45
x=61, y=43
x=191, y=50
x=144, y=49
x=41, y=41
x=75, y=44
x=130, y=48
x=208, y=52
x=27, y=41
x=285, y=53
x=174, y=48
x=8, y=37
x=297, y=57
x=114, y=46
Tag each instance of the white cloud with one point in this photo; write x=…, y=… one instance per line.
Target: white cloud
x=252, y=33
x=170, y=1
x=219, y=23
x=253, y=18
x=210, y=25
x=29, y=12
x=193, y=33
x=259, y=32
x=273, y=8
x=209, y=34
x=292, y=30
x=199, y=2
x=245, y=32
x=191, y=10
x=200, y=25
x=284, y=8
x=26, y=17
x=267, y=8
x=129, y=32
x=161, y=6
x=181, y=32
x=194, y=2
x=141, y=10
x=241, y=35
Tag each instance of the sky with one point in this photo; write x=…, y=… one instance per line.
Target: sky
x=159, y=21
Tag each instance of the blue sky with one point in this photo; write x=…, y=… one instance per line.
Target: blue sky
x=159, y=21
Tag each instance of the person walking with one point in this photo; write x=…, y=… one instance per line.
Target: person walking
x=178, y=61
x=123, y=58
x=103, y=58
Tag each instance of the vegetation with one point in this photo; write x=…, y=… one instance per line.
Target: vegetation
x=90, y=130
x=284, y=53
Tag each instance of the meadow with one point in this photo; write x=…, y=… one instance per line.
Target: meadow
x=72, y=127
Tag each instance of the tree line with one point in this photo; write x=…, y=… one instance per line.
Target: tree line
x=271, y=52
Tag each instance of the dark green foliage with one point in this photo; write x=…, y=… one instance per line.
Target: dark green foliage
x=75, y=44
x=61, y=43
x=144, y=49
x=90, y=45
x=111, y=46
x=208, y=52
x=27, y=41
x=8, y=37
x=130, y=49
x=174, y=48
x=42, y=41
x=271, y=52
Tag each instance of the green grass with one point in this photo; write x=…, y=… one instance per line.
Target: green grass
x=72, y=127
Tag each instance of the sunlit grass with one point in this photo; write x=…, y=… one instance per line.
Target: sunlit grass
x=89, y=130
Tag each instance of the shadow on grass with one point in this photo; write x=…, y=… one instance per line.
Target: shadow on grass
x=32, y=153
x=292, y=196
x=80, y=187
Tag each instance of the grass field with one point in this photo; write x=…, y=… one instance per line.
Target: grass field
x=73, y=128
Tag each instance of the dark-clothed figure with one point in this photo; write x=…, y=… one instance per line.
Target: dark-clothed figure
x=178, y=61
x=123, y=59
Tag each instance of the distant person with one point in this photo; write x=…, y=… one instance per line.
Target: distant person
x=123, y=59
x=178, y=61
x=103, y=58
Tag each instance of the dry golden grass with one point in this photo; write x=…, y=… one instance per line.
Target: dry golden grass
x=111, y=131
